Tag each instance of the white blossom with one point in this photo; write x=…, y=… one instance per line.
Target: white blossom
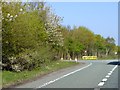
x=10, y=19
x=21, y=9
x=8, y=15
x=11, y=16
x=16, y=16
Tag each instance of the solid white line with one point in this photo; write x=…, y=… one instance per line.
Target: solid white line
x=52, y=81
x=112, y=70
x=115, y=67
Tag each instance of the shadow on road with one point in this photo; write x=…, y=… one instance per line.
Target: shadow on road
x=114, y=63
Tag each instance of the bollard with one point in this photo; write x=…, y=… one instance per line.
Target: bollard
x=61, y=58
x=76, y=59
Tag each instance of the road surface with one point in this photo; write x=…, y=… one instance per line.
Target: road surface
x=92, y=74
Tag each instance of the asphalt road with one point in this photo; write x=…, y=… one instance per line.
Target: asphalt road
x=92, y=74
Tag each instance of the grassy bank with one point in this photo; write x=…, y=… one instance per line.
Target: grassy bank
x=108, y=58
x=11, y=78
x=0, y=79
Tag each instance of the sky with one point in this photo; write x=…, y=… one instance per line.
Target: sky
x=100, y=17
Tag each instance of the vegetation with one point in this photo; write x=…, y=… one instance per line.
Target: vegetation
x=81, y=41
x=32, y=36
x=16, y=78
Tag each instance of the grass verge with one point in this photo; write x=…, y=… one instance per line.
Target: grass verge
x=108, y=58
x=13, y=78
x=0, y=79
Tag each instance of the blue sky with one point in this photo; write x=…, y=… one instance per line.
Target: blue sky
x=99, y=17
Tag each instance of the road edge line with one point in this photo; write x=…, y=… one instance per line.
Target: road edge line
x=52, y=81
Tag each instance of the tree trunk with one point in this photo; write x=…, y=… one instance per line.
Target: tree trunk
x=73, y=55
x=107, y=51
x=62, y=56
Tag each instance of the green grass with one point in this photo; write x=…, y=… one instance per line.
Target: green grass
x=108, y=58
x=0, y=79
x=11, y=78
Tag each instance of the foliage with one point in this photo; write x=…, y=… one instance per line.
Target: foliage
x=25, y=36
x=33, y=36
x=16, y=78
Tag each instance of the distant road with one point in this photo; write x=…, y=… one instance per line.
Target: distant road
x=93, y=74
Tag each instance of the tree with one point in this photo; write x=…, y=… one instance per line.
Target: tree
x=25, y=35
x=99, y=45
x=86, y=37
x=32, y=36
x=110, y=45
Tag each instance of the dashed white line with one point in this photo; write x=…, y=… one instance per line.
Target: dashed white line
x=101, y=84
x=107, y=76
x=111, y=71
x=105, y=79
x=64, y=76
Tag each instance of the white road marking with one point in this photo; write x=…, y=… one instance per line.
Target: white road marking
x=111, y=71
x=115, y=67
x=101, y=84
x=52, y=81
x=105, y=79
x=107, y=76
